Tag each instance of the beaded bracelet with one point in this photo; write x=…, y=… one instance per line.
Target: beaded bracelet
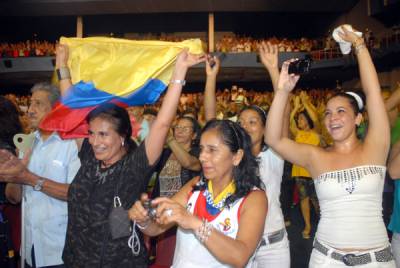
x=358, y=44
x=359, y=47
x=204, y=231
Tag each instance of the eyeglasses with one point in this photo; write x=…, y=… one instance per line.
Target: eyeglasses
x=183, y=128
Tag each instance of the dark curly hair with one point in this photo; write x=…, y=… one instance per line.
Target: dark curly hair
x=119, y=118
x=245, y=174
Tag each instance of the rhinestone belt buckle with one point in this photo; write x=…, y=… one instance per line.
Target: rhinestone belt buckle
x=348, y=259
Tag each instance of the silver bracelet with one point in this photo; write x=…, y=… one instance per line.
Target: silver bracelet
x=178, y=81
x=204, y=231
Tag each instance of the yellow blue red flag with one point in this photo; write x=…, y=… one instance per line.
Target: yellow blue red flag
x=109, y=69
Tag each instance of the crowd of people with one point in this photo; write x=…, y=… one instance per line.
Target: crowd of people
x=320, y=48
x=215, y=163
x=29, y=48
x=229, y=102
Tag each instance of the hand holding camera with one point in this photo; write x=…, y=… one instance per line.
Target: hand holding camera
x=212, y=65
x=142, y=212
x=299, y=67
x=287, y=81
x=151, y=211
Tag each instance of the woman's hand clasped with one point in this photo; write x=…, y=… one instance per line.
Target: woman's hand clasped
x=187, y=60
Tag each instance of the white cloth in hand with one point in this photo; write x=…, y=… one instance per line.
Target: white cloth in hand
x=345, y=47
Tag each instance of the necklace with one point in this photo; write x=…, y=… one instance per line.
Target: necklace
x=105, y=165
x=214, y=205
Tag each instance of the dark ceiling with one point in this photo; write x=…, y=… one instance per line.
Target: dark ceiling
x=97, y=7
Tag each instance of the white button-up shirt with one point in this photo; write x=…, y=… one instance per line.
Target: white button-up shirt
x=45, y=217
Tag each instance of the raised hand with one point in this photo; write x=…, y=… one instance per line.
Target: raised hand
x=62, y=55
x=287, y=82
x=349, y=34
x=269, y=55
x=212, y=70
x=186, y=59
x=304, y=97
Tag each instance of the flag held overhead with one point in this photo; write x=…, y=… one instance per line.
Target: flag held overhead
x=109, y=69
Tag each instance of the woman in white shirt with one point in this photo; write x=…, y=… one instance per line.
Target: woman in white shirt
x=348, y=175
x=273, y=250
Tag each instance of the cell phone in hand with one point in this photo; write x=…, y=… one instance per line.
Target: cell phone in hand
x=300, y=67
x=220, y=56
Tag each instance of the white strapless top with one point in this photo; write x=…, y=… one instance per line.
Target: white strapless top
x=351, y=207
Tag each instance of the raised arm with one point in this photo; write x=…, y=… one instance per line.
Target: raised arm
x=300, y=154
x=62, y=55
x=311, y=110
x=377, y=141
x=269, y=57
x=210, y=109
x=292, y=121
x=159, y=130
x=184, y=158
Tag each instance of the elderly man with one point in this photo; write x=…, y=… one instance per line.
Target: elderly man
x=41, y=181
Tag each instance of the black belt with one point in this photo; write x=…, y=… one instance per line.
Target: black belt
x=274, y=237
x=384, y=255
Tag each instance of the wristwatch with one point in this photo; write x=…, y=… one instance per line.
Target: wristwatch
x=39, y=184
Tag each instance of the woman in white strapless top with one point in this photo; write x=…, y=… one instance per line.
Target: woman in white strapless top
x=349, y=175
